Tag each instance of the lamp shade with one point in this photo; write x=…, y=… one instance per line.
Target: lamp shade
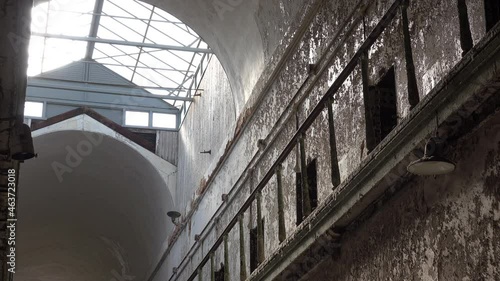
x=22, y=143
x=173, y=214
x=431, y=164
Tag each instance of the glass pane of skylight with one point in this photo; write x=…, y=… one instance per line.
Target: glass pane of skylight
x=162, y=120
x=33, y=109
x=129, y=21
x=59, y=52
x=55, y=18
x=137, y=118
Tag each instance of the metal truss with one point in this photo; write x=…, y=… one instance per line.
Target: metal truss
x=142, y=43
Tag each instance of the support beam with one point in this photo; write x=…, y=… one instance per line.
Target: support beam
x=107, y=90
x=15, y=19
x=94, y=28
x=55, y=80
x=123, y=43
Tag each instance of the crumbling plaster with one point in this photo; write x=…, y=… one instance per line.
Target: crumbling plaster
x=435, y=228
x=348, y=109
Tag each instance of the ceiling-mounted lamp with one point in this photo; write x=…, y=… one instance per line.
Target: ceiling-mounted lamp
x=22, y=144
x=174, y=215
x=432, y=163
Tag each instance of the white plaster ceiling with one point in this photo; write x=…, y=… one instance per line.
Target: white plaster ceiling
x=106, y=218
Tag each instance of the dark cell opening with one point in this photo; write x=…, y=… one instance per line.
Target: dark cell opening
x=492, y=13
x=312, y=180
x=219, y=275
x=382, y=109
x=254, y=246
x=298, y=191
x=312, y=185
x=254, y=262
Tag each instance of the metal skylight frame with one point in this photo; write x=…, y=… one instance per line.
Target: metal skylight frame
x=171, y=70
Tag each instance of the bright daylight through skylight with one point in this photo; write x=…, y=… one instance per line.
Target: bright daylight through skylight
x=140, y=42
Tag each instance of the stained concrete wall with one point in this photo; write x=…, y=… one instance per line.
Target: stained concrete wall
x=436, y=50
x=208, y=126
x=167, y=146
x=443, y=228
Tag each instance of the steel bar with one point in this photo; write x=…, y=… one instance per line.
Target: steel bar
x=123, y=43
x=105, y=91
x=94, y=28
x=35, y=79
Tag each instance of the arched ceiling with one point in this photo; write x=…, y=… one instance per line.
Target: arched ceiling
x=243, y=34
x=107, y=217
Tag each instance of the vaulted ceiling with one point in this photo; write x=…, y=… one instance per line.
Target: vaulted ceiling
x=104, y=219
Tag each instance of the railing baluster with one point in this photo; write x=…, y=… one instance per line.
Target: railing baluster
x=281, y=205
x=200, y=275
x=212, y=267
x=465, y=34
x=333, y=146
x=260, y=230
x=306, y=200
x=243, y=261
x=413, y=96
x=368, y=100
x=226, y=258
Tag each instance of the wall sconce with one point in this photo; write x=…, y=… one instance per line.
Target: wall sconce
x=174, y=215
x=431, y=163
x=22, y=145
x=206, y=152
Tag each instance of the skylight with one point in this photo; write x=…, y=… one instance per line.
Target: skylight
x=138, y=41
